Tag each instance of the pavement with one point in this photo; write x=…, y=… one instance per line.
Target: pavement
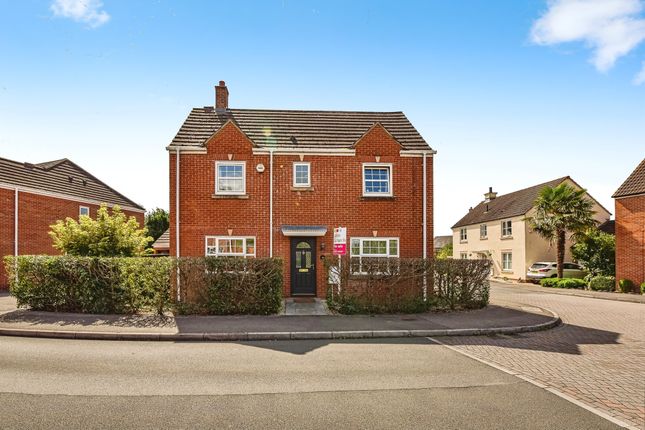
x=494, y=319
x=404, y=383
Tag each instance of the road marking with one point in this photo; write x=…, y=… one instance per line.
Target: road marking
x=538, y=384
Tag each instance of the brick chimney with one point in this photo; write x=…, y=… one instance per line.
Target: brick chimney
x=490, y=195
x=221, y=96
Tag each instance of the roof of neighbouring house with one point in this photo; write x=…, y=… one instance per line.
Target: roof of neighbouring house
x=634, y=184
x=328, y=129
x=61, y=177
x=507, y=205
x=608, y=226
x=441, y=241
x=163, y=242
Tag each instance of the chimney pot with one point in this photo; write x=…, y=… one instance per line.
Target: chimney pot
x=221, y=96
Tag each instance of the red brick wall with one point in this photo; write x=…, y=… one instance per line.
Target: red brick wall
x=630, y=239
x=36, y=214
x=336, y=199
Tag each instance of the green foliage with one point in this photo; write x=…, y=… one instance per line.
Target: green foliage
x=596, y=251
x=157, y=222
x=563, y=283
x=230, y=285
x=643, y=288
x=396, y=285
x=626, y=285
x=90, y=284
x=560, y=210
x=109, y=235
x=602, y=283
x=445, y=252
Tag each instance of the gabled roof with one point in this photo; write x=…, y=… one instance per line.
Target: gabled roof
x=507, y=205
x=293, y=128
x=634, y=184
x=608, y=226
x=61, y=177
x=163, y=242
x=441, y=241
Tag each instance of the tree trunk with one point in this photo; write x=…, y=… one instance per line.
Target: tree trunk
x=561, y=243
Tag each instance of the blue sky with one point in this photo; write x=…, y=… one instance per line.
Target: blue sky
x=510, y=93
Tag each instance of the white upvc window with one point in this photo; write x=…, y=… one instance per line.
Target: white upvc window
x=302, y=174
x=373, y=247
x=227, y=246
x=230, y=177
x=507, y=261
x=463, y=234
x=507, y=228
x=463, y=255
x=377, y=179
x=83, y=210
x=483, y=231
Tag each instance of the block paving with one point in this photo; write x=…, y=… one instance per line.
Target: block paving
x=597, y=356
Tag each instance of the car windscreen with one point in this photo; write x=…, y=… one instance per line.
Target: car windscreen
x=539, y=265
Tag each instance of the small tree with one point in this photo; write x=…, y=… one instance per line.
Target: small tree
x=445, y=252
x=109, y=235
x=157, y=221
x=596, y=250
x=559, y=210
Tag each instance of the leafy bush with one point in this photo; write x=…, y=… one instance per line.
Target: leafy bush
x=602, y=283
x=90, y=285
x=396, y=285
x=563, y=283
x=229, y=286
x=596, y=251
x=626, y=285
x=643, y=288
x=549, y=282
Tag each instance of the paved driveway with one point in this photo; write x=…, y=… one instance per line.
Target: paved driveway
x=596, y=357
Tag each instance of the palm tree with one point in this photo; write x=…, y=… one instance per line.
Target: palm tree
x=559, y=210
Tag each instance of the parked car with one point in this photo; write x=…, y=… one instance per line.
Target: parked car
x=549, y=269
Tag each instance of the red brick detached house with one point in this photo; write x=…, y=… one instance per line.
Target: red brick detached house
x=260, y=183
x=630, y=227
x=34, y=196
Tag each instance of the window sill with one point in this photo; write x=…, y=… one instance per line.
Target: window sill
x=463, y=241
x=507, y=271
x=483, y=238
x=230, y=196
x=376, y=197
x=506, y=237
x=302, y=188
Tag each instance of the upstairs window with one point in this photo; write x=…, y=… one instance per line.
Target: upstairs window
x=301, y=174
x=483, y=231
x=83, y=210
x=377, y=179
x=463, y=235
x=226, y=246
x=507, y=228
x=230, y=177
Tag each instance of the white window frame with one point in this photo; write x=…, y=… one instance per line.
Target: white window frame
x=229, y=254
x=217, y=178
x=508, y=227
x=463, y=256
x=463, y=235
x=504, y=261
x=387, y=166
x=483, y=228
x=302, y=163
x=80, y=210
x=360, y=254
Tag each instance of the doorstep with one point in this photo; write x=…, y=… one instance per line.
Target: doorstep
x=310, y=306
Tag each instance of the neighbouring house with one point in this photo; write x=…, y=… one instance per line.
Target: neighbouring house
x=161, y=246
x=35, y=196
x=440, y=242
x=608, y=227
x=630, y=227
x=496, y=229
x=275, y=183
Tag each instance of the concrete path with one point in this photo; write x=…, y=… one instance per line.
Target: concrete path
x=619, y=297
x=596, y=357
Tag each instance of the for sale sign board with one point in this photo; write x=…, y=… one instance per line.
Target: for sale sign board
x=340, y=241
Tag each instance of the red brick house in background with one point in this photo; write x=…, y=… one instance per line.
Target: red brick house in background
x=630, y=227
x=260, y=183
x=34, y=196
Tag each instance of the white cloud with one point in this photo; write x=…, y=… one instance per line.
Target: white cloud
x=640, y=77
x=86, y=11
x=611, y=28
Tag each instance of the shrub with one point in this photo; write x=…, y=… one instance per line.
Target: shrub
x=549, y=282
x=394, y=285
x=626, y=286
x=90, y=285
x=596, y=251
x=571, y=283
x=602, y=283
x=229, y=286
x=643, y=288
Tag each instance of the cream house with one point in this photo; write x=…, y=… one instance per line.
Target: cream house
x=496, y=229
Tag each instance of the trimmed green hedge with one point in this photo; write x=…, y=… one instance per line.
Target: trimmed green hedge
x=114, y=285
x=124, y=285
x=571, y=283
x=602, y=283
x=626, y=285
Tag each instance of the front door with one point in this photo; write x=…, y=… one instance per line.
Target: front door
x=303, y=266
